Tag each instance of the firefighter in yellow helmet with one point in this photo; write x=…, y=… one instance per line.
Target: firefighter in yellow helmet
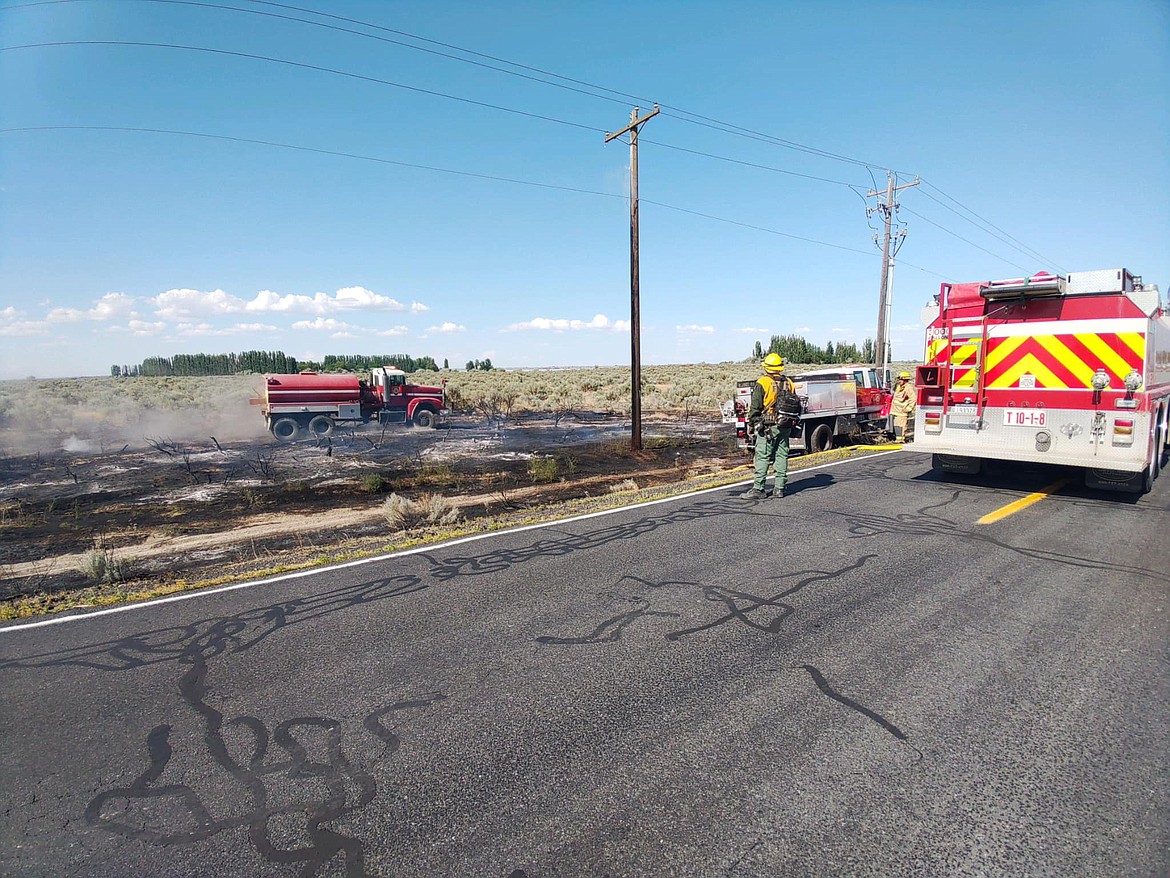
x=770, y=417
x=902, y=407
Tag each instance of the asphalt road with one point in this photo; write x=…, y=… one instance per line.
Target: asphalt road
x=855, y=680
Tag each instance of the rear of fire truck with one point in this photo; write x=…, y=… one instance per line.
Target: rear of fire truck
x=1072, y=371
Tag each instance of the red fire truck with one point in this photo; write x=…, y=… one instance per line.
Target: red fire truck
x=1069, y=370
x=293, y=405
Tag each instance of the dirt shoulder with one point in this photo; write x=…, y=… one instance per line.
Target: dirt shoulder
x=84, y=524
x=86, y=529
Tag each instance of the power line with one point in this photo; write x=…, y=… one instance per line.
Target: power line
x=441, y=170
x=964, y=240
x=345, y=30
x=1003, y=236
x=304, y=66
x=703, y=121
x=697, y=119
x=678, y=113
x=312, y=149
x=744, y=163
x=431, y=92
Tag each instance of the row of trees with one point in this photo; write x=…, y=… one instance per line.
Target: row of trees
x=209, y=364
x=259, y=362
x=478, y=365
x=364, y=363
x=796, y=349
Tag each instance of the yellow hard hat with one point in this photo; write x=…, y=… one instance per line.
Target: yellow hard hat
x=905, y=375
x=773, y=363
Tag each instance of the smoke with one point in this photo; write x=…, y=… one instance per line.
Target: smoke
x=90, y=415
x=73, y=445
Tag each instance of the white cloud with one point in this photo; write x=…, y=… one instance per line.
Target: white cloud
x=112, y=305
x=187, y=304
x=195, y=329
x=266, y=300
x=108, y=307
x=20, y=328
x=393, y=330
x=65, y=315
x=346, y=299
x=327, y=324
x=694, y=327
x=447, y=327
x=839, y=331
x=561, y=324
x=752, y=329
x=803, y=330
x=234, y=329
x=141, y=327
x=418, y=307
x=10, y=313
x=359, y=298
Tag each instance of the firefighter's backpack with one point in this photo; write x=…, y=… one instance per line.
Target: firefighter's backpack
x=786, y=406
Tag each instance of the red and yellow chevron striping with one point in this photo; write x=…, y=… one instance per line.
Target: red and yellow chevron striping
x=1055, y=361
x=1062, y=362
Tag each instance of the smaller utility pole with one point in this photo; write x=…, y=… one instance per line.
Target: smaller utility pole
x=635, y=307
x=887, y=208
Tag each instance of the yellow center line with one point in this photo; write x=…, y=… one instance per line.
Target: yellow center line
x=1022, y=503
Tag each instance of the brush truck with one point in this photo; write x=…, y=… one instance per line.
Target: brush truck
x=1073, y=371
x=314, y=405
x=840, y=405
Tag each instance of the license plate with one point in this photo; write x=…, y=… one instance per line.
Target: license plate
x=1024, y=418
x=963, y=409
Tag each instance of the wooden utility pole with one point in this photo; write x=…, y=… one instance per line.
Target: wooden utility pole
x=635, y=308
x=882, y=347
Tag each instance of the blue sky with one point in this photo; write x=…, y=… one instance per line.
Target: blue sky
x=1046, y=120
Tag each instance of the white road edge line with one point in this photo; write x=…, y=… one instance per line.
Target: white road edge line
x=205, y=592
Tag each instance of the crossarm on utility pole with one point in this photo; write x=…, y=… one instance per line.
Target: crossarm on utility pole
x=634, y=123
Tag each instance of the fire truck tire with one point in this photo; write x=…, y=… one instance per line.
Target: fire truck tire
x=425, y=418
x=321, y=427
x=285, y=429
x=1148, y=476
x=821, y=438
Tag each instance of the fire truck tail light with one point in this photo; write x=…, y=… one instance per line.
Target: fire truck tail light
x=932, y=421
x=1123, y=431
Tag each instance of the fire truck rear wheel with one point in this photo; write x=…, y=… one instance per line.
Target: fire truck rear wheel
x=821, y=438
x=424, y=418
x=285, y=429
x=1148, y=476
x=321, y=427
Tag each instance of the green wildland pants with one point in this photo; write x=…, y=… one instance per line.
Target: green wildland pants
x=772, y=449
